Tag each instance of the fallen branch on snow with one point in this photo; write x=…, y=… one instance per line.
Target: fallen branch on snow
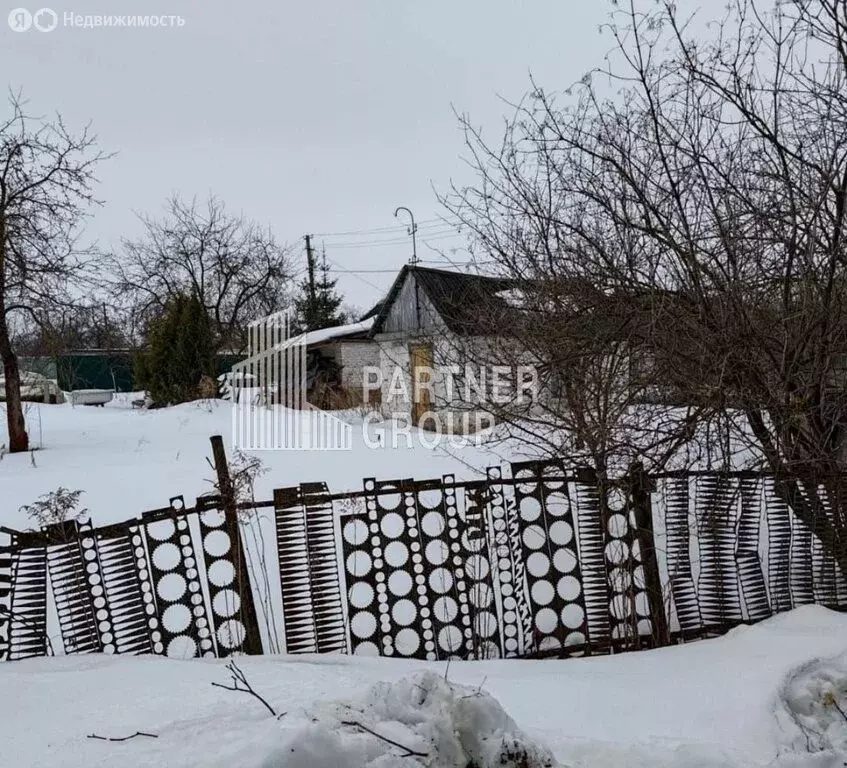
x=409, y=752
x=122, y=738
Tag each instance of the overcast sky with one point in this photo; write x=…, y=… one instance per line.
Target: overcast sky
x=314, y=116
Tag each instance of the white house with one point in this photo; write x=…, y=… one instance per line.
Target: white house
x=432, y=345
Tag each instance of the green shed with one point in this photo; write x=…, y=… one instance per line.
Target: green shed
x=95, y=369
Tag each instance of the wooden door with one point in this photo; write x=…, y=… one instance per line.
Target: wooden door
x=422, y=365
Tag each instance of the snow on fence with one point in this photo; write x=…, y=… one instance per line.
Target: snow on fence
x=531, y=560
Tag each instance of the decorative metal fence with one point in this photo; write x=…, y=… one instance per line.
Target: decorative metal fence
x=167, y=583
x=534, y=561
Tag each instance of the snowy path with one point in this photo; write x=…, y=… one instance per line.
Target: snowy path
x=709, y=704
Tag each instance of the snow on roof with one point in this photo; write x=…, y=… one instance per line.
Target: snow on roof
x=514, y=297
x=326, y=334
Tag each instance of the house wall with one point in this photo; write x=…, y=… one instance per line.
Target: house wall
x=412, y=310
x=397, y=392
x=394, y=356
x=354, y=357
x=412, y=319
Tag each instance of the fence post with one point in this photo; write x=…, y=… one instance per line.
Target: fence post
x=252, y=638
x=641, y=486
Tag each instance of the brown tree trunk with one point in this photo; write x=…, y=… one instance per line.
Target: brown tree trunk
x=18, y=438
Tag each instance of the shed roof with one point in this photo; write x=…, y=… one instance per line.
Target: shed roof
x=463, y=300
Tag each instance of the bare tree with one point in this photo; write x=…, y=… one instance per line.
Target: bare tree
x=551, y=361
x=695, y=191
x=46, y=181
x=234, y=265
x=80, y=326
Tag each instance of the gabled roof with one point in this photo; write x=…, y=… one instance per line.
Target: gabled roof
x=373, y=311
x=462, y=300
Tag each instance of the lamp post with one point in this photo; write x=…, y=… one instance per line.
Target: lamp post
x=412, y=231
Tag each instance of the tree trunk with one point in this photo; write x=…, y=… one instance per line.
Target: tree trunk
x=18, y=438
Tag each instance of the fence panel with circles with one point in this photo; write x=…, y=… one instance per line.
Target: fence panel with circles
x=135, y=587
x=540, y=560
x=534, y=559
x=491, y=568
x=418, y=575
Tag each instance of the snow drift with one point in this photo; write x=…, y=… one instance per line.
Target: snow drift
x=739, y=701
x=418, y=721
x=815, y=700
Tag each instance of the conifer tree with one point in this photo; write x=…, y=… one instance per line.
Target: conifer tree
x=319, y=303
x=180, y=352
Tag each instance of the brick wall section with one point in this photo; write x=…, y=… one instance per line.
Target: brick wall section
x=353, y=357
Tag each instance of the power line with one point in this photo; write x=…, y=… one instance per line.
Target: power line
x=365, y=271
x=427, y=223
x=447, y=262
x=361, y=279
x=357, y=273
x=442, y=235
x=395, y=238
x=435, y=230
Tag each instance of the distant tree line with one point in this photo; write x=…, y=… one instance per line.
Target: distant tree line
x=183, y=291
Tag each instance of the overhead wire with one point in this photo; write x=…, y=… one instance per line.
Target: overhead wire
x=358, y=277
x=384, y=271
x=446, y=235
x=429, y=230
x=425, y=224
x=399, y=236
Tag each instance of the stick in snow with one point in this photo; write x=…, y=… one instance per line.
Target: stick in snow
x=409, y=752
x=239, y=679
x=122, y=738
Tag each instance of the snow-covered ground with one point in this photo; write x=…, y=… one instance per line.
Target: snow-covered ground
x=736, y=701
x=129, y=460
x=770, y=695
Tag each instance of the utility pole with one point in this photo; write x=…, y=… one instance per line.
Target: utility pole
x=310, y=263
x=412, y=231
